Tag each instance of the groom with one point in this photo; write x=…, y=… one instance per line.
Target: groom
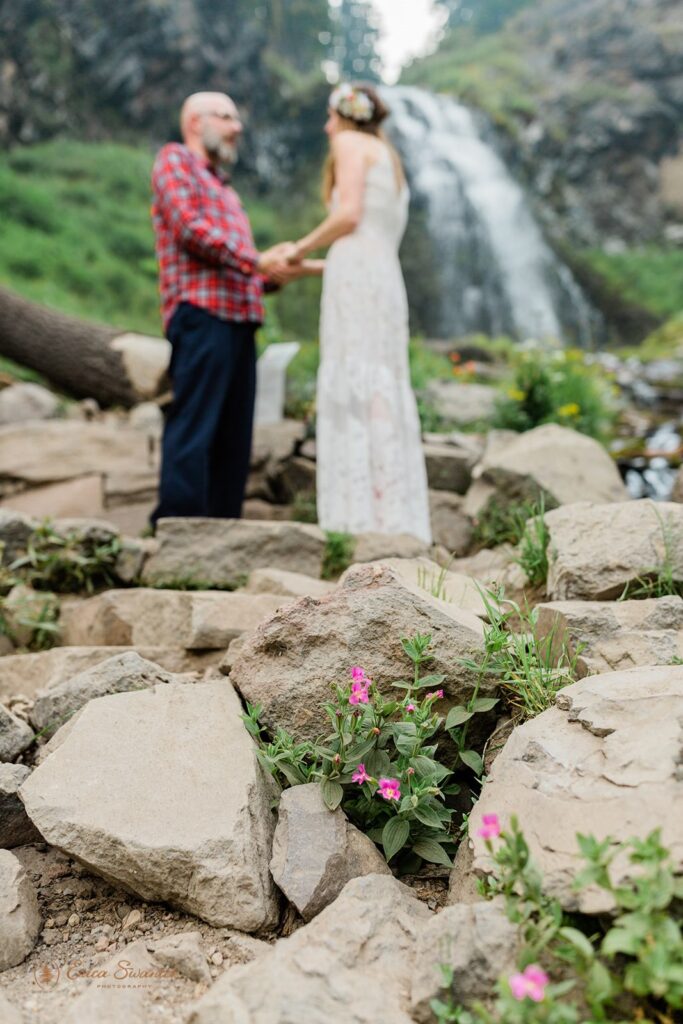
x=211, y=280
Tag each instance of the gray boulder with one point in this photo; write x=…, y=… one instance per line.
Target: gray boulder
x=327, y=972
x=222, y=552
x=160, y=791
x=15, y=735
x=289, y=663
x=16, y=828
x=558, y=462
x=20, y=921
x=607, y=636
x=123, y=672
x=27, y=401
x=596, y=550
x=605, y=762
x=476, y=941
x=317, y=851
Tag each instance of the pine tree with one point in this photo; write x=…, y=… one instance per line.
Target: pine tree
x=354, y=40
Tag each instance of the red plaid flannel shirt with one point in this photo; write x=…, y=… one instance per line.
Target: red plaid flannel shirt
x=204, y=245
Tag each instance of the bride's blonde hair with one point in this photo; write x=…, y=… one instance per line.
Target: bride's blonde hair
x=369, y=126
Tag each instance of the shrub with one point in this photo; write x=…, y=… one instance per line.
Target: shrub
x=556, y=387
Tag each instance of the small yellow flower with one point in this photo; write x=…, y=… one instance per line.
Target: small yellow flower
x=570, y=409
x=516, y=394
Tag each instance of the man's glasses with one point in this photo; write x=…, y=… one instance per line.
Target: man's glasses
x=221, y=116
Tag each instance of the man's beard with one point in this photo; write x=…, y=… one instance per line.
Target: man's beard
x=221, y=153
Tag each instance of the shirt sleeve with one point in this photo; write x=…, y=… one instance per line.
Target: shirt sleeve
x=179, y=202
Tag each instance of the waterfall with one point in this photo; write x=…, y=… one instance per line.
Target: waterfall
x=494, y=271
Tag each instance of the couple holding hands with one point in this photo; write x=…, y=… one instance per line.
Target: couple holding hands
x=370, y=467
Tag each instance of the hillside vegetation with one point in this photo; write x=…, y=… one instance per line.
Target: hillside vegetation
x=77, y=235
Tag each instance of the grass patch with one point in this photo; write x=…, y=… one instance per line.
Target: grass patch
x=648, y=276
x=488, y=72
x=338, y=554
x=530, y=668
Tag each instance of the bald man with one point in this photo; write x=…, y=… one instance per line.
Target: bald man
x=211, y=280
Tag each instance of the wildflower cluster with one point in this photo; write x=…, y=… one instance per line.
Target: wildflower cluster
x=632, y=969
x=557, y=387
x=378, y=762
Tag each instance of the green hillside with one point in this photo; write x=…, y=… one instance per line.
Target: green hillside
x=76, y=235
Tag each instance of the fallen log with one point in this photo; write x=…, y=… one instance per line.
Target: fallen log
x=87, y=360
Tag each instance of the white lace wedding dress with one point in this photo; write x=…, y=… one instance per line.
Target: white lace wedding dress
x=371, y=470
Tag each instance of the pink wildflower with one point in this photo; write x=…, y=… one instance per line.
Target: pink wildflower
x=530, y=984
x=490, y=826
x=410, y=708
x=390, y=789
x=434, y=695
x=359, y=693
x=360, y=775
x=358, y=674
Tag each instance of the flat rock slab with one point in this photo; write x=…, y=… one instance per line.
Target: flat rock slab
x=327, y=972
x=604, y=762
x=16, y=828
x=52, y=450
x=596, y=550
x=26, y=674
x=561, y=463
x=370, y=547
x=317, y=851
x=118, y=674
x=222, y=552
x=608, y=636
x=143, y=616
x=289, y=663
x=288, y=584
x=160, y=791
x=19, y=914
x=424, y=576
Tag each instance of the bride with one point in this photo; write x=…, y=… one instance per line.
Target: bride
x=371, y=470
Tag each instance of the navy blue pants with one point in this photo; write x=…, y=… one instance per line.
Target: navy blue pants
x=207, y=433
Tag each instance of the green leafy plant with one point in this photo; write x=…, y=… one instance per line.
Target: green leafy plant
x=529, y=668
x=338, y=554
x=533, y=546
x=557, y=386
x=380, y=762
x=67, y=563
x=500, y=523
x=630, y=969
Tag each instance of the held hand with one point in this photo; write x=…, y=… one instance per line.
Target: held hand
x=277, y=255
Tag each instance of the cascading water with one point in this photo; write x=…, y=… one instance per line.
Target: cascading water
x=494, y=271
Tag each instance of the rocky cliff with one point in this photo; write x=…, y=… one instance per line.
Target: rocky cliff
x=92, y=69
x=588, y=97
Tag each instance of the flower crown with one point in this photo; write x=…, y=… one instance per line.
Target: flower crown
x=352, y=104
